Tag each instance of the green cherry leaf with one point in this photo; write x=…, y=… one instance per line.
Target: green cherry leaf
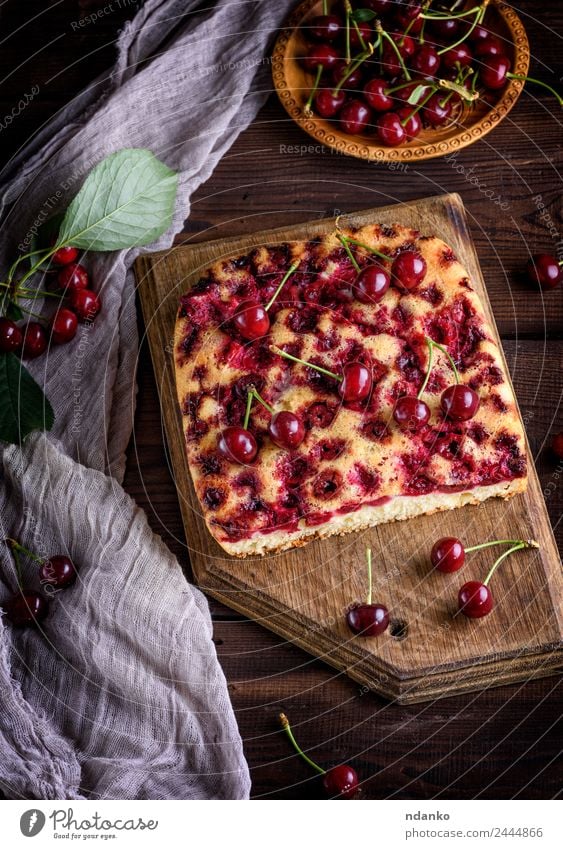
x=14, y=312
x=126, y=201
x=362, y=16
x=23, y=405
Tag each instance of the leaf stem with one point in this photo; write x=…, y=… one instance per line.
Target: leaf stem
x=285, y=278
x=284, y=722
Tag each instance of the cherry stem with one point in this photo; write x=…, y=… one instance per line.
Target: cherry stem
x=254, y=391
x=454, y=87
x=417, y=108
x=430, y=355
x=249, y=400
x=477, y=19
x=430, y=16
x=499, y=542
x=537, y=82
x=353, y=67
x=522, y=544
x=307, y=108
x=305, y=363
x=12, y=269
x=284, y=280
x=448, y=355
x=284, y=722
x=386, y=35
x=16, y=546
x=29, y=312
x=325, y=7
x=368, y=555
x=348, y=14
x=360, y=36
x=367, y=248
x=346, y=247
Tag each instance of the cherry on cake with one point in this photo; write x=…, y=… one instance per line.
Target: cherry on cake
x=333, y=384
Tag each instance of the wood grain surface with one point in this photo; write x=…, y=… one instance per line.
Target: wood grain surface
x=302, y=594
x=502, y=742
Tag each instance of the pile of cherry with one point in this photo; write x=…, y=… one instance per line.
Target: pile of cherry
x=27, y=606
x=77, y=302
x=396, y=67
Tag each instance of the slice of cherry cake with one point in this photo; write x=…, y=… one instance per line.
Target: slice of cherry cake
x=250, y=338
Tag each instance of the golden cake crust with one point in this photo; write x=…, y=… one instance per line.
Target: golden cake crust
x=354, y=459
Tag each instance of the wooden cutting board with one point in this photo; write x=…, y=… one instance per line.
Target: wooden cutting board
x=303, y=594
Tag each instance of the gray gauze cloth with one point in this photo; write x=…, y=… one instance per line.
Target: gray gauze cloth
x=120, y=694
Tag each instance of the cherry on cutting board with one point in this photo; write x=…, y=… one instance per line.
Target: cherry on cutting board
x=475, y=598
x=340, y=781
x=368, y=619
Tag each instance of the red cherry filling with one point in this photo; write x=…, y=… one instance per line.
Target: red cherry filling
x=411, y=413
x=237, y=444
x=408, y=269
x=11, y=337
x=26, y=609
x=544, y=270
x=448, y=554
x=341, y=781
x=475, y=600
x=58, y=572
x=286, y=430
x=356, y=382
x=252, y=320
x=371, y=284
x=368, y=620
x=459, y=402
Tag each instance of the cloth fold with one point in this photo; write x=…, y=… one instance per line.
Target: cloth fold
x=120, y=694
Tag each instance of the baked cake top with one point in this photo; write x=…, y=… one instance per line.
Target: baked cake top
x=353, y=453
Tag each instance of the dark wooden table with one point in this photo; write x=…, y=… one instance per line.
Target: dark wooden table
x=501, y=743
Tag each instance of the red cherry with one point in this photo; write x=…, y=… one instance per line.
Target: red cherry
x=379, y=6
x=446, y=28
x=321, y=54
x=493, y=72
x=238, y=445
x=438, y=109
x=85, y=303
x=11, y=337
x=286, y=430
x=65, y=255
x=426, y=61
x=390, y=63
x=490, y=46
x=475, y=600
x=408, y=269
x=557, y=445
x=58, y=572
x=341, y=781
x=410, y=121
x=353, y=79
x=544, y=270
x=448, y=554
x=375, y=94
x=356, y=382
x=328, y=103
x=354, y=117
x=26, y=609
x=63, y=326
x=252, y=321
x=368, y=620
x=411, y=413
x=407, y=12
x=325, y=27
x=371, y=284
x=459, y=402
x=35, y=340
x=479, y=33
x=390, y=130
x=457, y=55
x=73, y=276
x=405, y=44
